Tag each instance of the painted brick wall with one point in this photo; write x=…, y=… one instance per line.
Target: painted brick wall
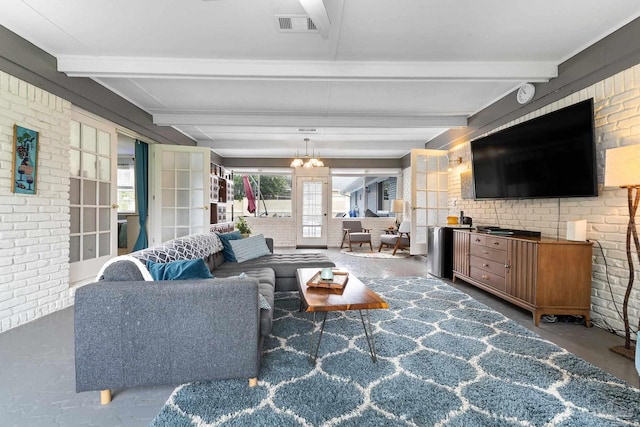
x=34, y=230
x=283, y=230
x=617, y=122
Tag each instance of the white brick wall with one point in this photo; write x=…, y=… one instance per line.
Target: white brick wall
x=34, y=230
x=283, y=230
x=617, y=122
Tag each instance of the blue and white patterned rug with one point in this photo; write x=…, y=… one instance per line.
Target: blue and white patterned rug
x=444, y=359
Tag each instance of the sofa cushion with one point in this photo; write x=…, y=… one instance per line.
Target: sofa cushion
x=226, y=238
x=284, y=267
x=179, y=270
x=263, y=274
x=250, y=248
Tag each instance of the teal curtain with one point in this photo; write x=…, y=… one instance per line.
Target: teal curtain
x=142, y=192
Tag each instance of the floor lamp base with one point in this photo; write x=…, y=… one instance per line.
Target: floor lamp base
x=629, y=353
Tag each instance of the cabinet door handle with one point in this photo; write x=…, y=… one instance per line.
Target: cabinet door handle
x=496, y=243
x=485, y=277
x=485, y=265
x=478, y=239
x=507, y=266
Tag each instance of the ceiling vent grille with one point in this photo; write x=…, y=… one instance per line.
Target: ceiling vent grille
x=284, y=23
x=295, y=24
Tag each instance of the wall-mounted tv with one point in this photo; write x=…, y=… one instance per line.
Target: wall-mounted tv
x=549, y=156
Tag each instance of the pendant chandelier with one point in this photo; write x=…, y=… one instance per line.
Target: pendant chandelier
x=310, y=161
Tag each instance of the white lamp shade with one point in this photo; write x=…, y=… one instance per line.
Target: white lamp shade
x=397, y=206
x=622, y=166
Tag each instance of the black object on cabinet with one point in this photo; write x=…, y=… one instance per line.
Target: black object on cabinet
x=440, y=251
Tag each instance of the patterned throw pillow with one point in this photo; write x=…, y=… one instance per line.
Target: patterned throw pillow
x=249, y=248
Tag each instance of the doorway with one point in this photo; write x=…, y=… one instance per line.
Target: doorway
x=312, y=206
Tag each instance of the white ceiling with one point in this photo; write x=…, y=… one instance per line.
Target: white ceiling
x=379, y=78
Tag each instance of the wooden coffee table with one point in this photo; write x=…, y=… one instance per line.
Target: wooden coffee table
x=354, y=296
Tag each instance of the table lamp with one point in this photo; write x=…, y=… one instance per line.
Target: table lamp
x=622, y=169
x=397, y=207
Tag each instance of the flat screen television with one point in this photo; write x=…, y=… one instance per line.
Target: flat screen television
x=549, y=156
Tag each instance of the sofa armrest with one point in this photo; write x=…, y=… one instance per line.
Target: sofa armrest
x=166, y=332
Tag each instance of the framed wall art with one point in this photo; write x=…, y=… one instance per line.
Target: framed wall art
x=25, y=160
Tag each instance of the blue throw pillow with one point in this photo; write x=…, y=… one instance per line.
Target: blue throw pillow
x=179, y=270
x=225, y=238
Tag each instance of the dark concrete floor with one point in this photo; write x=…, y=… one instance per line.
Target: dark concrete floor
x=37, y=384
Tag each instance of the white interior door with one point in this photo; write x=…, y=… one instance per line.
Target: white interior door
x=93, y=196
x=312, y=207
x=180, y=187
x=429, y=194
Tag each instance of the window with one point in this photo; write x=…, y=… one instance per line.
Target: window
x=126, y=188
x=272, y=195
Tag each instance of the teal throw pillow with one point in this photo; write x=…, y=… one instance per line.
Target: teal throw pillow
x=250, y=248
x=179, y=270
x=226, y=238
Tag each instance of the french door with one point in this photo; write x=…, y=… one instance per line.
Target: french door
x=312, y=205
x=92, y=197
x=180, y=197
x=429, y=194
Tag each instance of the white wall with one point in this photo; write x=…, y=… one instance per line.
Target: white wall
x=617, y=123
x=34, y=229
x=283, y=230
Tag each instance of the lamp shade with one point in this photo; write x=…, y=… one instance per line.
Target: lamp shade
x=397, y=206
x=622, y=166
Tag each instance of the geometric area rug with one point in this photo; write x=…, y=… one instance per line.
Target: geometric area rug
x=444, y=359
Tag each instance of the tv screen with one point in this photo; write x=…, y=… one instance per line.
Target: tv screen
x=549, y=156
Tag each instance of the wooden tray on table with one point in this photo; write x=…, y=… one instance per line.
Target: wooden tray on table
x=339, y=280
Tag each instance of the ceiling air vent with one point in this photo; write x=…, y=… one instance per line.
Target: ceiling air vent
x=285, y=23
x=295, y=24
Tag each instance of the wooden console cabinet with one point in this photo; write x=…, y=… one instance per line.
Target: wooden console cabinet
x=543, y=276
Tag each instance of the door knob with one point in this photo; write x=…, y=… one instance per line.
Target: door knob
x=115, y=206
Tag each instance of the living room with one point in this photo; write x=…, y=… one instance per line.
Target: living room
x=35, y=232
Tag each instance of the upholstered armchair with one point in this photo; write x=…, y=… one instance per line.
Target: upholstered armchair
x=354, y=233
x=397, y=241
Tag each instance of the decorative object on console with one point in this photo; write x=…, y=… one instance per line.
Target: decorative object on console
x=621, y=170
x=577, y=230
x=311, y=161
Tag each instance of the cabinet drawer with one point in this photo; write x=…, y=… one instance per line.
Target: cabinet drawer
x=479, y=240
x=489, y=253
x=496, y=243
x=494, y=267
x=493, y=280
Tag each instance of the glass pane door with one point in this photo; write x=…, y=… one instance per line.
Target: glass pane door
x=180, y=181
x=430, y=192
x=312, y=208
x=92, y=190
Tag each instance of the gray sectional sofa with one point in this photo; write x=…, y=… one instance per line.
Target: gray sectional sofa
x=130, y=331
